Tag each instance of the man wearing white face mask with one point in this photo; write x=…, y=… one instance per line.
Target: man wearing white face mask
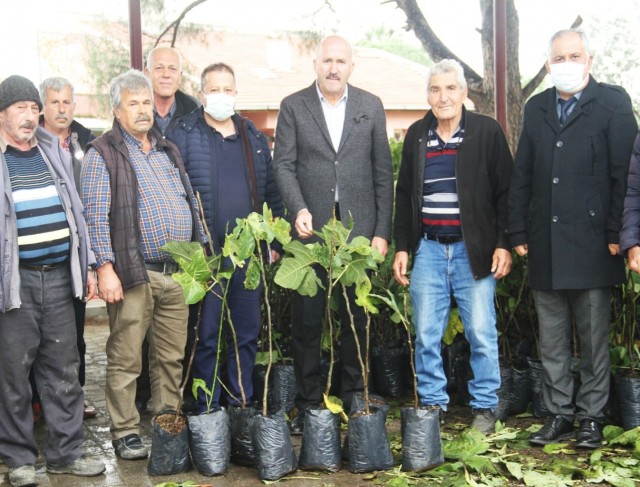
x=229, y=163
x=565, y=209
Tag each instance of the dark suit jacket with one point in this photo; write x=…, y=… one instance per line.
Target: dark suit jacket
x=307, y=166
x=568, y=186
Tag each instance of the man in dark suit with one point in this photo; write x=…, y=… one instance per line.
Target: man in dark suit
x=332, y=152
x=565, y=208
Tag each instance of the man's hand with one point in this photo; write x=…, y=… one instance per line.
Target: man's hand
x=400, y=263
x=109, y=287
x=91, y=285
x=521, y=250
x=381, y=245
x=614, y=249
x=501, y=263
x=275, y=256
x=303, y=224
x=633, y=259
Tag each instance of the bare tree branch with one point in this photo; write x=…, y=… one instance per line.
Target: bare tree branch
x=175, y=25
x=430, y=41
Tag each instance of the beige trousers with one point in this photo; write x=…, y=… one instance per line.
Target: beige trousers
x=157, y=310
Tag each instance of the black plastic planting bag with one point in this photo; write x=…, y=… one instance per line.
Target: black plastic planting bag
x=451, y=355
x=520, y=395
x=357, y=403
x=537, y=399
x=284, y=387
x=504, y=394
x=389, y=367
x=320, y=448
x=628, y=395
x=421, y=444
x=272, y=445
x=368, y=443
x=169, y=449
x=257, y=379
x=242, y=452
x=210, y=442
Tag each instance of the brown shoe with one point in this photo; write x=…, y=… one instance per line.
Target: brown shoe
x=89, y=411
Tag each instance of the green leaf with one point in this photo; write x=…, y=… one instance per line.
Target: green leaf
x=252, y=277
x=194, y=272
x=554, y=448
x=467, y=444
x=515, y=469
x=200, y=384
x=296, y=271
x=454, y=327
x=625, y=438
x=546, y=479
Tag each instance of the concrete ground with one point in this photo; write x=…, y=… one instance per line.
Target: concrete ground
x=122, y=473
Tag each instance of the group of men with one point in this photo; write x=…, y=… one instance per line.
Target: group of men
x=461, y=204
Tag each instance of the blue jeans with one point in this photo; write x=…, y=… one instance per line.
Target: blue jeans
x=440, y=270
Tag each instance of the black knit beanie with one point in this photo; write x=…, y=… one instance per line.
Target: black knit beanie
x=17, y=88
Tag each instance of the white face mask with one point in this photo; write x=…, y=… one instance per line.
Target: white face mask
x=220, y=106
x=568, y=77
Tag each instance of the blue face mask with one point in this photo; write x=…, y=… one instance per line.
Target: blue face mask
x=220, y=106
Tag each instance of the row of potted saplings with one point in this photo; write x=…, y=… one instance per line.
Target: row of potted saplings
x=252, y=437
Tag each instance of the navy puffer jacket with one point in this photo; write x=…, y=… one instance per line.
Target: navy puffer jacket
x=194, y=139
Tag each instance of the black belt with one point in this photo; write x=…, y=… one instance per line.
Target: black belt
x=162, y=267
x=445, y=239
x=40, y=268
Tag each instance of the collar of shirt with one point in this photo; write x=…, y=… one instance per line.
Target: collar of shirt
x=454, y=141
x=559, y=108
x=334, y=115
x=131, y=141
x=169, y=114
x=4, y=144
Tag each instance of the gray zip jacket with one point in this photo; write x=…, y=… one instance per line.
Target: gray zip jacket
x=81, y=256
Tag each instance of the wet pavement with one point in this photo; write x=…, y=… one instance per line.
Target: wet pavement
x=120, y=473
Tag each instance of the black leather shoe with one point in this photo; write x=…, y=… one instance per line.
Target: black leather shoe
x=589, y=434
x=554, y=430
x=296, y=427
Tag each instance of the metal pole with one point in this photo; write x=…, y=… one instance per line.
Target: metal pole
x=500, y=61
x=135, y=34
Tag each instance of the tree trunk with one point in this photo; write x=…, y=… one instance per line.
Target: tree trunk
x=481, y=87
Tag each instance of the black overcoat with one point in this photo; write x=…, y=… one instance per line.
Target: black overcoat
x=568, y=187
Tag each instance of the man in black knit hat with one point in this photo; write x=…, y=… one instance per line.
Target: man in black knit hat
x=45, y=266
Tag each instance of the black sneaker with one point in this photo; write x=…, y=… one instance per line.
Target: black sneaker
x=130, y=447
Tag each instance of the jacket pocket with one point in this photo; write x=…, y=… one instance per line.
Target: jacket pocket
x=595, y=212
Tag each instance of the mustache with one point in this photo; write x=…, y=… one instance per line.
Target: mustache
x=143, y=118
x=62, y=117
x=28, y=125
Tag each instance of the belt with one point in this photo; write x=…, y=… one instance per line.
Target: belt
x=40, y=268
x=162, y=267
x=445, y=239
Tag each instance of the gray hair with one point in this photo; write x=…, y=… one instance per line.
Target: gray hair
x=447, y=66
x=155, y=49
x=560, y=33
x=56, y=83
x=218, y=67
x=133, y=81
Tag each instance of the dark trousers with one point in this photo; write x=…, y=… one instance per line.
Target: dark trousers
x=308, y=314
x=40, y=335
x=245, y=316
x=591, y=309
x=79, y=308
